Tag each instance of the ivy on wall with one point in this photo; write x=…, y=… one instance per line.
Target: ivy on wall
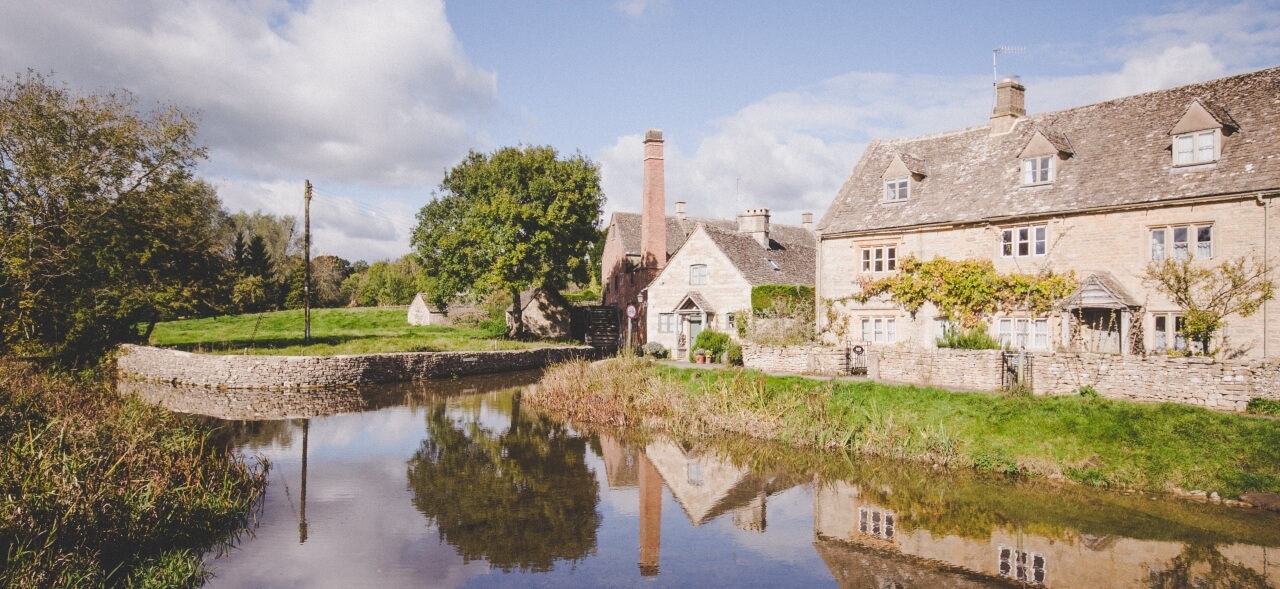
x=967, y=290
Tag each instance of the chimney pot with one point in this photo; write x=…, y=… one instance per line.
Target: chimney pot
x=680, y=210
x=806, y=220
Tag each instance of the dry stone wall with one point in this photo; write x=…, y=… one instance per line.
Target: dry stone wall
x=304, y=372
x=1217, y=384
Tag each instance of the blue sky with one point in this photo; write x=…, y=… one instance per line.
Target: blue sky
x=762, y=103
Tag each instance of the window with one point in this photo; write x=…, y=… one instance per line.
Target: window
x=1031, y=334
x=1195, y=148
x=698, y=274
x=667, y=323
x=943, y=326
x=1180, y=241
x=695, y=474
x=879, y=330
x=1168, y=333
x=729, y=323
x=1037, y=170
x=876, y=522
x=1022, y=565
x=879, y=259
x=1031, y=240
x=897, y=189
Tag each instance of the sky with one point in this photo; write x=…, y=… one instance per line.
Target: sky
x=761, y=103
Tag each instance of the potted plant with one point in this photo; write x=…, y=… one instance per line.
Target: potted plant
x=700, y=355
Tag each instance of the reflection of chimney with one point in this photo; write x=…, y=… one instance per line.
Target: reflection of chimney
x=680, y=209
x=806, y=221
x=755, y=222
x=751, y=517
x=653, y=223
x=1010, y=106
x=650, y=517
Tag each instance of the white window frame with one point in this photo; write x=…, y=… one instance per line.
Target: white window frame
x=1023, y=333
x=697, y=274
x=1199, y=147
x=1164, y=242
x=667, y=323
x=1022, y=565
x=879, y=330
x=1038, y=170
x=897, y=189
x=1165, y=330
x=1024, y=241
x=880, y=258
x=879, y=523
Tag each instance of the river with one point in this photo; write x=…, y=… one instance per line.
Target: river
x=453, y=484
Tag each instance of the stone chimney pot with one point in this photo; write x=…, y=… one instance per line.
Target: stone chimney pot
x=1010, y=106
x=756, y=223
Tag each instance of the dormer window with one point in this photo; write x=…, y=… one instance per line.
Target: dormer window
x=1195, y=148
x=1198, y=136
x=898, y=177
x=1037, y=170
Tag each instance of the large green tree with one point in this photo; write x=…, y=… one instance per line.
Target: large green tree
x=517, y=218
x=102, y=225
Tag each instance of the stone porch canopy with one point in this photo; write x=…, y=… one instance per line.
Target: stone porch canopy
x=1099, y=290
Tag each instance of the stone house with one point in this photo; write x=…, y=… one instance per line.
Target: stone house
x=707, y=283
x=1100, y=190
x=638, y=245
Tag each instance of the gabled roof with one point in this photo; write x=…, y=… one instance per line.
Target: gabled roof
x=678, y=231
x=1099, y=290
x=790, y=259
x=1121, y=156
x=696, y=299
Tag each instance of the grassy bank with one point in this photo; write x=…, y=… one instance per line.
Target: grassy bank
x=99, y=491
x=333, y=331
x=1087, y=439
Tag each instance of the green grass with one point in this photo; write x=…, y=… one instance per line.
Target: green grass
x=333, y=331
x=101, y=491
x=1090, y=440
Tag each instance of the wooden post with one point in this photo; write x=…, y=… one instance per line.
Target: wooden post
x=306, y=265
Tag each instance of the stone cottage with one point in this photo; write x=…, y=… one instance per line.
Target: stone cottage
x=1101, y=190
x=707, y=283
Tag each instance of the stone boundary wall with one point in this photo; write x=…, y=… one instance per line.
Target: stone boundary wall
x=812, y=359
x=306, y=372
x=1218, y=384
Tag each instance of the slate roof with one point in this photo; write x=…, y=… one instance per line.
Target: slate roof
x=792, y=249
x=677, y=231
x=1120, y=155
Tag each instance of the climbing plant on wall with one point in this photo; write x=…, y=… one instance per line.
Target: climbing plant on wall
x=967, y=290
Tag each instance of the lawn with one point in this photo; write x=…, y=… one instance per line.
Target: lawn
x=333, y=331
x=1090, y=440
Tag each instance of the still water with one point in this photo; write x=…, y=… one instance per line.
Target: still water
x=455, y=484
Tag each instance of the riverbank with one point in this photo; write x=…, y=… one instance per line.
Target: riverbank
x=1087, y=439
x=97, y=490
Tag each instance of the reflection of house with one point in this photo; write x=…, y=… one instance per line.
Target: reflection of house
x=621, y=462
x=707, y=283
x=862, y=555
x=707, y=486
x=637, y=246
x=1101, y=190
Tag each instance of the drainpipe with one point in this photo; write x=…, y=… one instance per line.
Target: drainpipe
x=1266, y=263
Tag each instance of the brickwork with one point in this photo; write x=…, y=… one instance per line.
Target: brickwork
x=304, y=372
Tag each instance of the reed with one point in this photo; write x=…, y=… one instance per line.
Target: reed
x=101, y=491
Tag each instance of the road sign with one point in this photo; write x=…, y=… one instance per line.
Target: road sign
x=631, y=311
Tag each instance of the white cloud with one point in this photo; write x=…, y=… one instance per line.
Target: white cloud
x=638, y=8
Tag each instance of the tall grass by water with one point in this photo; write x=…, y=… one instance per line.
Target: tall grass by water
x=333, y=331
x=1090, y=440
x=100, y=491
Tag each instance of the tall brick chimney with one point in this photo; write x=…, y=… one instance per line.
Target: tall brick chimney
x=1010, y=106
x=653, y=211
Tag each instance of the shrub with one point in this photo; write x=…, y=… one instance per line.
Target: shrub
x=975, y=338
x=712, y=342
x=1088, y=391
x=1260, y=406
x=654, y=349
x=735, y=354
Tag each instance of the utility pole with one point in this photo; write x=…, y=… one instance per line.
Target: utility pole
x=306, y=266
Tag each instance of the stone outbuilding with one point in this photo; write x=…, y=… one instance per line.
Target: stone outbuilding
x=547, y=315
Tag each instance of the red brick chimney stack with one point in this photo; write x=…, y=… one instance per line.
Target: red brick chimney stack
x=653, y=222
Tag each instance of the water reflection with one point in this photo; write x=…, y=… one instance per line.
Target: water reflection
x=440, y=488
x=521, y=497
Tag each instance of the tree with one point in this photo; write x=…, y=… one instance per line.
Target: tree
x=511, y=220
x=1207, y=294
x=102, y=226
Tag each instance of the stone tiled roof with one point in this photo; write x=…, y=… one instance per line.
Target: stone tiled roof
x=791, y=251
x=1119, y=155
x=677, y=231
